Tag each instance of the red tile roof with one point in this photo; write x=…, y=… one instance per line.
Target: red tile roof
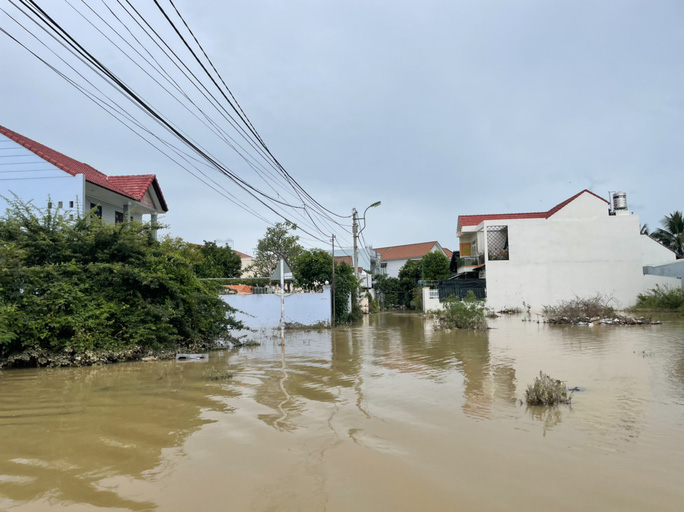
x=405, y=252
x=133, y=187
x=474, y=220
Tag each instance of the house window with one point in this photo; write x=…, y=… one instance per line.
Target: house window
x=98, y=209
x=60, y=204
x=465, y=249
x=71, y=204
x=497, y=243
x=383, y=268
x=118, y=217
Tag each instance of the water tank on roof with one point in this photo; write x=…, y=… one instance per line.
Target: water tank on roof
x=620, y=203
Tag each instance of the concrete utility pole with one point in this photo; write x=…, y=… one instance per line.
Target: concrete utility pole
x=355, y=233
x=282, y=301
x=333, y=281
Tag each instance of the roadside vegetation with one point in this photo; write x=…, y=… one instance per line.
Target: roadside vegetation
x=547, y=391
x=78, y=291
x=405, y=292
x=468, y=313
x=661, y=298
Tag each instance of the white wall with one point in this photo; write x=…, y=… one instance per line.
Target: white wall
x=654, y=253
x=580, y=251
x=263, y=311
x=31, y=178
x=431, y=300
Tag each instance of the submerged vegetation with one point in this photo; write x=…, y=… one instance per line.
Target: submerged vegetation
x=661, y=298
x=78, y=291
x=214, y=373
x=468, y=313
x=547, y=391
x=590, y=310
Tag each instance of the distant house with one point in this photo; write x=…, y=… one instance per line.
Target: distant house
x=395, y=257
x=47, y=178
x=579, y=248
x=246, y=261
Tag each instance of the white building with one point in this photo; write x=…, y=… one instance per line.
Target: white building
x=579, y=248
x=38, y=174
x=395, y=257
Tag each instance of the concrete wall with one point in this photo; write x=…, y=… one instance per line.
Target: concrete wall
x=655, y=253
x=579, y=251
x=263, y=311
x=431, y=300
x=674, y=271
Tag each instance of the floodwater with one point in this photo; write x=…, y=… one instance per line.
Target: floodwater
x=389, y=415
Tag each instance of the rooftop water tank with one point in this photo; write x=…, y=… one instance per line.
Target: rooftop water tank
x=620, y=203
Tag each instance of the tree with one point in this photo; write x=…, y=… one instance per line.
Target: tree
x=346, y=285
x=70, y=287
x=409, y=275
x=218, y=261
x=435, y=266
x=672, y=233
x=312, y=269
x=277, y=243
x=388, y=290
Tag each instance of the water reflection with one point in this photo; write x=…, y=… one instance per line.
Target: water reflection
x=69, y=431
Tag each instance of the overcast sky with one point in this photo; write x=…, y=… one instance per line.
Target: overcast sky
x=436, y=108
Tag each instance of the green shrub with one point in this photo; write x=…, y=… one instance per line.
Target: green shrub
x=82, y=285
x=661, y=298
x=546, y=391
x=468, y=313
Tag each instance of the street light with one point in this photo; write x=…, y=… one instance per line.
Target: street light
x=356, y=233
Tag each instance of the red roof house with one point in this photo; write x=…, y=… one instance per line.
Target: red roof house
x=41, y=174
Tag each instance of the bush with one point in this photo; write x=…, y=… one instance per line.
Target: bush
x=77, y=286
x=579, y=310
x=468, y=313
x=661, y=298
x=546, y=391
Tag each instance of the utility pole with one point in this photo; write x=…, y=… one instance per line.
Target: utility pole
x=333, y=280
x=355, y=233
x=282, y=302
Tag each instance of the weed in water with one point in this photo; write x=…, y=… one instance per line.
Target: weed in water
x=547, y=391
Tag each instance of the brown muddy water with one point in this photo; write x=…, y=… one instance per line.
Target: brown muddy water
x=389, y=415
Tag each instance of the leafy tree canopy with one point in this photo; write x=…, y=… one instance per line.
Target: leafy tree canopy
x=312, y=269
x=672, y=233
x=218, y=261
x=277, y=243
x=435, y=266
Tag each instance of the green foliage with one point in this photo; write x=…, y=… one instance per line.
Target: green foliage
x=83, y=285
x=312, y=269
x=661, y=298
x=409, y=275
x=277, y=243
x=672, y=233
x=435, y=266
x=546, y=391
x=346, y=284
x=387, y=290
x=468, y=313
x=217, y=261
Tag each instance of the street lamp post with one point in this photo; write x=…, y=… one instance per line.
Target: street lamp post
x=356, y=233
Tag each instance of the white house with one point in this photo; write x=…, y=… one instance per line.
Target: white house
x=579, y=248
x=36, y=173
x=395, y=257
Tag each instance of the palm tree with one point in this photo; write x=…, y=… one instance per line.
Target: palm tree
x=672, y=234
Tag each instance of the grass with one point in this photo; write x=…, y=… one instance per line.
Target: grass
x=215, y=373
x=547, y=391
x=661, y=298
